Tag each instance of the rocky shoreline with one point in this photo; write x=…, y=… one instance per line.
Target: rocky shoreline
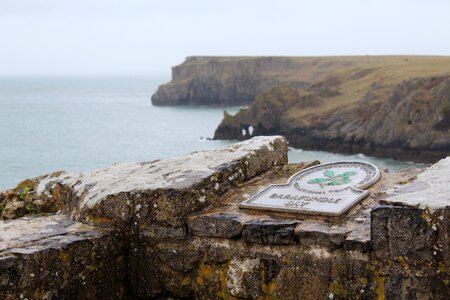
x=173, y=229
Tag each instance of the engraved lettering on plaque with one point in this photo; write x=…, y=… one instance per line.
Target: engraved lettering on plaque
x=329, y=189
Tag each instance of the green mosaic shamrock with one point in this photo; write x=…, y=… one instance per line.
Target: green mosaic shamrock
x=332, y=179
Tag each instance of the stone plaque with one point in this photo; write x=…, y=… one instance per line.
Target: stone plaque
x=329, y=189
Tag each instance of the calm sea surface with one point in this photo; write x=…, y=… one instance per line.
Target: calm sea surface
x=89, y=123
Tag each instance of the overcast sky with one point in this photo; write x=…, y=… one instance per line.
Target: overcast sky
x=132, y=37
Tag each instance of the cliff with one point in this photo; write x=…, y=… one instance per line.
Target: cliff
x=220, y=81
x=225, y=81
x=399, y=110
x=173, y=229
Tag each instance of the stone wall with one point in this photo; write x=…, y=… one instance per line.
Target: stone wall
x=53, y=257
x=172, y=228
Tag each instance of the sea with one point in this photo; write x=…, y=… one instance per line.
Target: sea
x=87, y=123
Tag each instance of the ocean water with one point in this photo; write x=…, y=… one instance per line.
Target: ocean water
x=81, y=124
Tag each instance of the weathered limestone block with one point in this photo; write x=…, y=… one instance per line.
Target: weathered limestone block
x=216, y=225
x=158, y=232
x=402, y=231
x=410, y=236
x=314, y=233
x=269, y=232
x=162, y=191
x=358, y=233
x=55, y=257
x=429, y=191
x=25, y=200
x=182, y=261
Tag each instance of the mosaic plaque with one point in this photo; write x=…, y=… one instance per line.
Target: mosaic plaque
x=329, y=189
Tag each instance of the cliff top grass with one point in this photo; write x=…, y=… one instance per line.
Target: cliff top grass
x=355, y=75
x=353, y=80
x=377, y=75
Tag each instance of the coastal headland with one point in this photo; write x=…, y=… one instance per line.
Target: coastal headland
x=385, y=106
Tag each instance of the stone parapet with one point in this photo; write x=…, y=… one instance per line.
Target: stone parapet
x=174, y=228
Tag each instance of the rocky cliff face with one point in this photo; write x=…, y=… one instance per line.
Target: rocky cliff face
x=219, y=81
x=224, y=81
x=412, y=123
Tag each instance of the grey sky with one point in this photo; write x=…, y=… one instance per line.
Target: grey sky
x=130, y=37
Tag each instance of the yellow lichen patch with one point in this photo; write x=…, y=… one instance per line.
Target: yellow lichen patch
x=215, y=176
x=222, y=294
x=363, y=280
x=285, y=259
x=199, y=281
x=341, y=268
x=370, y=267
x=64, y=257
x=380, y=284
x=91, y=268
x=426, y=216
x=186, y=281
x=205, y=271
x=222, y=279
x=337, y=289
x=212, y=280
x=442, y=268
x=38, y=294
x=272, y=286
x=269, y=288
x=404, y=263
